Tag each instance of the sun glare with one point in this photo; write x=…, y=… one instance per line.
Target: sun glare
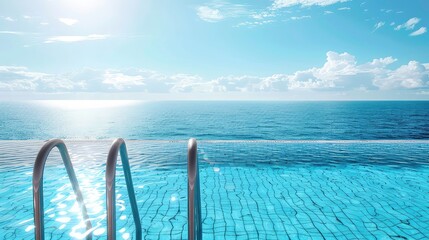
x=80, y=5
x=87, y=104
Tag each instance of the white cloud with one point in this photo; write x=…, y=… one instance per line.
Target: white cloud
x=220, y=10
x=264, y=14
x=9, y=19
x=253, y=23
x=378, y=25
x=14, y=78
x=336, y=68
x=386, y=10
x=12, y=32
x=420, y=31
x=69, y=39
x=412, y=75
x=344, y=8
x=68, y=21
x=209, y=14
x=380, y=62
x=409, y=25
x=122, y=81
x=305, y=3
x=300, y=17
x=328, y=12
x=192, y=83
x=339, y=64
x=244, y=83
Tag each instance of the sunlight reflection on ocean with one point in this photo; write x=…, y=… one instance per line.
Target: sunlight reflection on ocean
x=214, y=120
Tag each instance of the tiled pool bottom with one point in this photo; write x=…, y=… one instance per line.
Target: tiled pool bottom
x=250, y=190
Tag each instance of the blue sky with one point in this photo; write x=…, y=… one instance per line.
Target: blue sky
x=273, y=49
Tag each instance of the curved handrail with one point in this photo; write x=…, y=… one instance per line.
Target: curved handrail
x=38, y=170
x=195, y=230
x=119, y=146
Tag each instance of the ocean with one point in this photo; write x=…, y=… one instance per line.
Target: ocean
x=215, y=120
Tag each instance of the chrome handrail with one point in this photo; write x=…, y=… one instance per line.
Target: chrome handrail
x=38, y=170
x=119, y=145
x=195, y=230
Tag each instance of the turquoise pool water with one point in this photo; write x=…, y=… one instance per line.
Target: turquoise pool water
x=250, y=190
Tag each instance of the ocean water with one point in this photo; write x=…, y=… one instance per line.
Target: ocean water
x=217, y=120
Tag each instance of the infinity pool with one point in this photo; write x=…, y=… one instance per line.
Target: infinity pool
x=249, y=190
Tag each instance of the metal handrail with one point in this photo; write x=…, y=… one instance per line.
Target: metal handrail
x=119, y=145
x=38, y=170
x=195, y=230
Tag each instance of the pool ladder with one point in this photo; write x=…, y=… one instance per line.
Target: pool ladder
x=119, y=145
x=195, y=230
x=39, y=167
x=194, y=195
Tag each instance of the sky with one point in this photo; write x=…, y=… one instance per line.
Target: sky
x=244, y=50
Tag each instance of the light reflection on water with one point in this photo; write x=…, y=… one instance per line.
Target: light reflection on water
x=86, y=104
x=215, y=120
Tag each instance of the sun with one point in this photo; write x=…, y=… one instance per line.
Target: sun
x=82, y=5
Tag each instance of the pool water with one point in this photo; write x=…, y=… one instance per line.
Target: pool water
x=249, y=189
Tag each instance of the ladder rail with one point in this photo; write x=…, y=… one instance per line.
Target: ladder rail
x=194, y=195
x=38, y=170
x=119, y=146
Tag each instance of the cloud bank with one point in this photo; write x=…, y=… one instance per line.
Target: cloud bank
x=340, y=72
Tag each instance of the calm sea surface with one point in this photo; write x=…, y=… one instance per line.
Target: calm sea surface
x=218, y=120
